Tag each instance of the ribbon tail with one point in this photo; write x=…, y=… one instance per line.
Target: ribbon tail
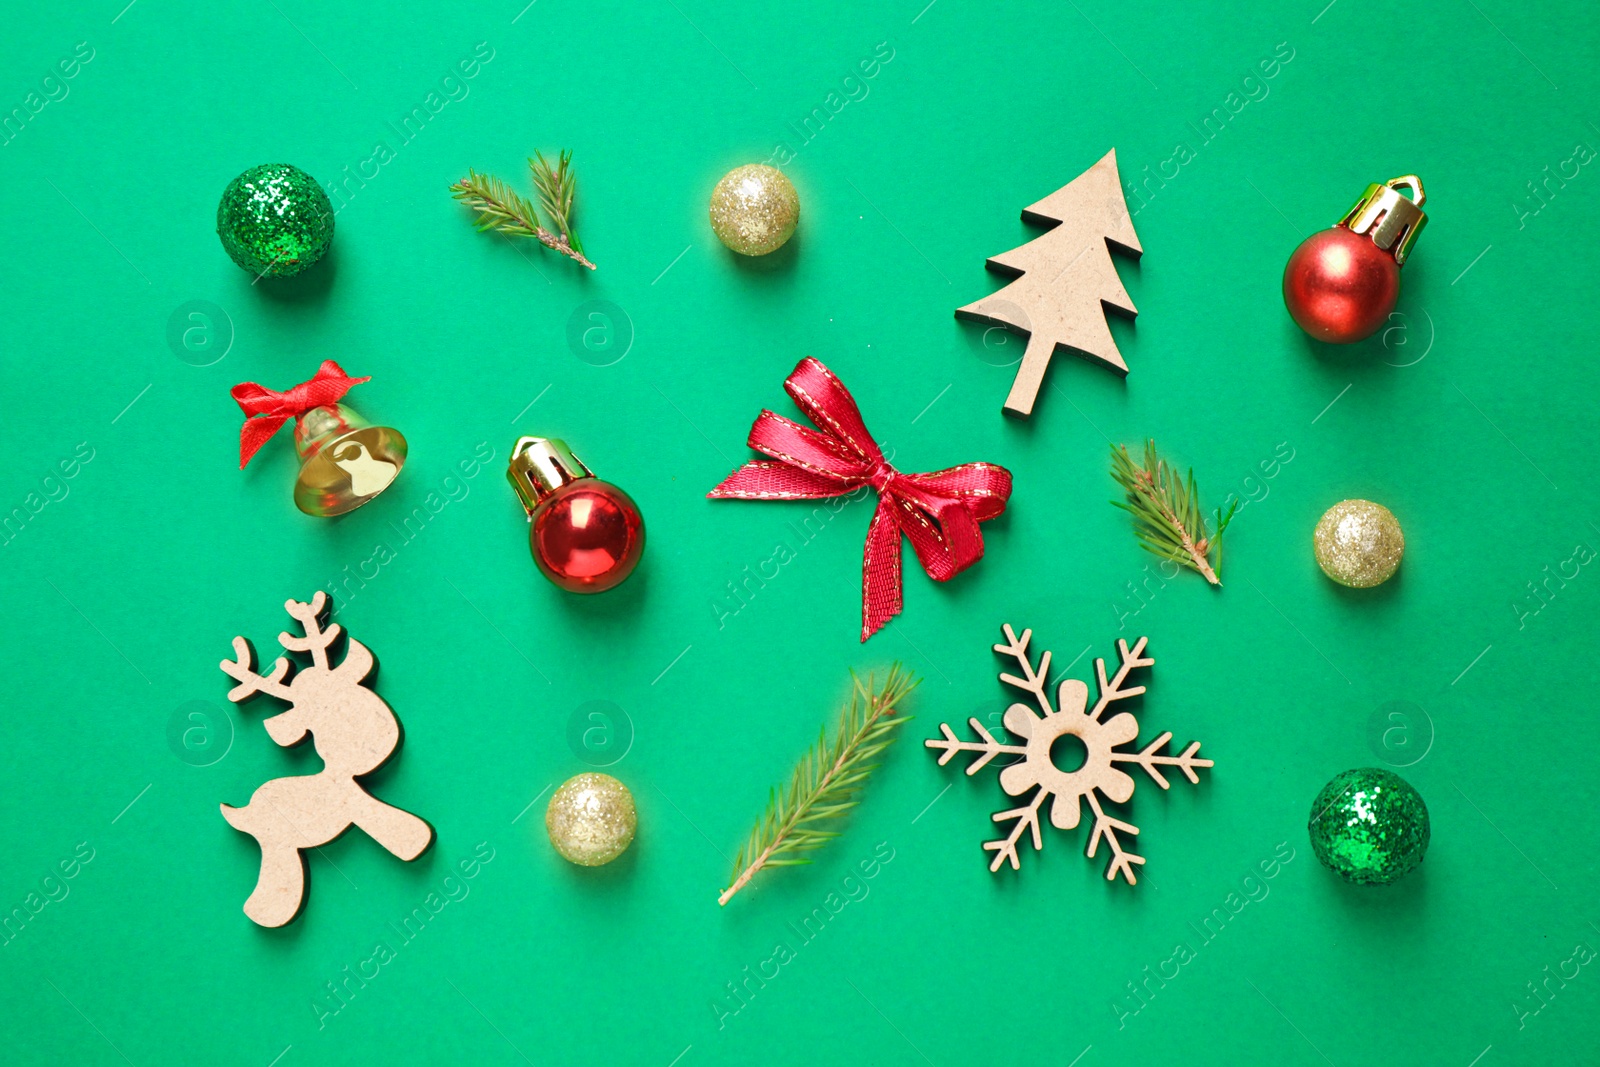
x=880, y=571
x=770, y=480
x=255, y=433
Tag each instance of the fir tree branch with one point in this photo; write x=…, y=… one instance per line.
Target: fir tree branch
x=826, y=783
x=504, y=210
x=1166, y=511
x=556, y=188
x=499, y=207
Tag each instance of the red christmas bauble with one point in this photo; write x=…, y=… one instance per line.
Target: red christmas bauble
x=587, y=536
x=1340, y=286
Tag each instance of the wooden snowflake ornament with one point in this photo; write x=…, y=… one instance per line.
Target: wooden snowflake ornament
x=1097, y=778
x=1065, y=279
x=354, y=732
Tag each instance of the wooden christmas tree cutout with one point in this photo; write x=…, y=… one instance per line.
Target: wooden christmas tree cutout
x=354, y=733
x=1065, y=279
x=1097, y=777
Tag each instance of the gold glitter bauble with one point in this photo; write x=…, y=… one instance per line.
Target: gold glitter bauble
x=591, y=819
x=1359, y=543
x=754, y=209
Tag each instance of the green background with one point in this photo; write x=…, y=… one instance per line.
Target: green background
x=125, y=587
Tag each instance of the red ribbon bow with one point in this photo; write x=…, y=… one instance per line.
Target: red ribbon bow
x=266, y=411
x=938, y=512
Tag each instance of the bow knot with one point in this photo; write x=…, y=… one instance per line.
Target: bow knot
x=937, y=512
x=266, y=410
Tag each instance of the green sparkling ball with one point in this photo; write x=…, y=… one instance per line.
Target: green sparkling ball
x=275, y=220
x=1369, y=826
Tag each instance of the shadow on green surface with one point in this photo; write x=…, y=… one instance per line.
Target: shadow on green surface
x=614, y=876
x=618, y=606
x=1376, y=354
x=779, y=262
x=310, y=287
x=1382, y=910
x=1367, y=599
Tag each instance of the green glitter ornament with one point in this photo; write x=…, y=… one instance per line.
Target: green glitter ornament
x=275, y=220
x=1369, y=826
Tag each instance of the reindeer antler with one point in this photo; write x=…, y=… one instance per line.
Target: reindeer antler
x=243, y=669
x=316, y=640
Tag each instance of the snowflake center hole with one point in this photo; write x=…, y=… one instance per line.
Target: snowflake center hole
x=1068, y=753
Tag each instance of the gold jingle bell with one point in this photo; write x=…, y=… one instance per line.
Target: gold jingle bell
x=345, y=461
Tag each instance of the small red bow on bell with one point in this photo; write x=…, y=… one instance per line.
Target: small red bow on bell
x=266, y=411
x=938, y=512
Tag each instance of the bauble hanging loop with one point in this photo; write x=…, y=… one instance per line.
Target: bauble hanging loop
x=1342, y=283
x=586, y=535
x=1388, y=217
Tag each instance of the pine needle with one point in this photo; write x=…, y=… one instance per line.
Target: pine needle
x=502, y=209
x=827, y=781
x=1166, y=511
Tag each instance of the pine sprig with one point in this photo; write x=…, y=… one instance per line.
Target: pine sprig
x=502, y=209
x=1166, y=511
x=556, y=187
x=499, y=207
x=827, y=781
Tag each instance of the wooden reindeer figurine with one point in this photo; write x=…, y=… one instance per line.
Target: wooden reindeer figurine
x=354, y=733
